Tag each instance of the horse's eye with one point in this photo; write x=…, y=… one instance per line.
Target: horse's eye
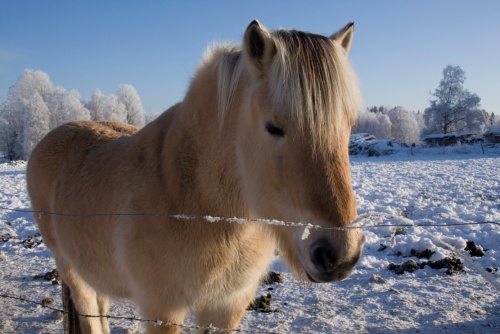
x=274, y=130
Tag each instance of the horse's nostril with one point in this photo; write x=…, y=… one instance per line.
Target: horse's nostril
x=324, y=258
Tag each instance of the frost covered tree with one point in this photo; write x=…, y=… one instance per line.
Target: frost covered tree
x=405, y=126
x=34, y=106
x=124, y=107
x=36, y=124
x=127, y=95
x=96, y=106
x=364, y=121
x=496, y=125
x=75, y=110
x=491, y=119
x=452, y=107
x=65, y=107
x=377, y=124
x=114, y=110
x=386, y=122
x=20, y=98
x=56, y=105
x=150, y=116
x=384, y=126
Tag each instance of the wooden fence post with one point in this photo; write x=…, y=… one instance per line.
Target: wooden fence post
x=70, y=316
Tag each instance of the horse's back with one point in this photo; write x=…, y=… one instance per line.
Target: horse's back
x=71, y=141
x=58, y=143
x=56, y=163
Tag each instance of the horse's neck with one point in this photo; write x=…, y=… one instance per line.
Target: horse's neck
x=201, y=152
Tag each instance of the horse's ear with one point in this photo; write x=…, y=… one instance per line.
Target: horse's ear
x=344, y=36
x=259, y=48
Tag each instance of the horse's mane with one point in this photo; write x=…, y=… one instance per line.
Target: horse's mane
x=310, y=77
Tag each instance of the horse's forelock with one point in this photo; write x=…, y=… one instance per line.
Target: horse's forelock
x=310, y=77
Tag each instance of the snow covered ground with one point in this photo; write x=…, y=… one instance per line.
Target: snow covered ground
x=433, y=186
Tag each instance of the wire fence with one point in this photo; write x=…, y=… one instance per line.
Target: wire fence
x=374, y=217
x=355, y=224
x=129, y=318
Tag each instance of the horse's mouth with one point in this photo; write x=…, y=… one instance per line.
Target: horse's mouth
x=333, y=273
x=336, y=276
x=310, y=278
x=327, y=264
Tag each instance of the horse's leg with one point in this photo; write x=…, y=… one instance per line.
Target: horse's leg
x=220, y=318
x=166, y=316
x=103, y=303
x=224, y=316
x=84, y=298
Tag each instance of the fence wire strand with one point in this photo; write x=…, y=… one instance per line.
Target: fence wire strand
x=132, y=319
x=355, y=224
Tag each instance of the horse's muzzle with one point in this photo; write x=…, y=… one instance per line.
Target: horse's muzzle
x=330, y=263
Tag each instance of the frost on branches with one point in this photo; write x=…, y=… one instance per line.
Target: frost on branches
x=453, y=108
x=127, y=95
x=384, y=122
x=34, y=107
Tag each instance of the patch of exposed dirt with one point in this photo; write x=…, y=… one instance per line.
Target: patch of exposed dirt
x=262, y=304
x=421, y=255
x=32, y=241
x=272, y=278
x=474, y=250
x=7, y=237
x=408, y=266
x=452, y=265
x=47, y=302
x=51, y=276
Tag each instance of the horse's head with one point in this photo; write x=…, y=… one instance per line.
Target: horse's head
x=292, y=139
x=298, y=97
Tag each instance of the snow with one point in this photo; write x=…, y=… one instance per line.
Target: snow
x=424, y=186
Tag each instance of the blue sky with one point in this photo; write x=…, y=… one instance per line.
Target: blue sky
x=399, y=51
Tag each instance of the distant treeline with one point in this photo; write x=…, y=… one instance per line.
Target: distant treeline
x=453, y=109
x=34, y=106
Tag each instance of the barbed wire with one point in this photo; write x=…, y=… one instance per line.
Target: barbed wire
x=132, y=319
x=355, y=224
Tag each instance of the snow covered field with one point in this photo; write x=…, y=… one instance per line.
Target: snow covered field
x=433, y=186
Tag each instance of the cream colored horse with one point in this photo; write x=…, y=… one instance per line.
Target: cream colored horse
x=262, y=133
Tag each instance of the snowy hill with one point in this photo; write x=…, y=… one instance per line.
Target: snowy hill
x=428, y=289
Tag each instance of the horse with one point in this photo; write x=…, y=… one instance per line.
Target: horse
x=262, y=133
